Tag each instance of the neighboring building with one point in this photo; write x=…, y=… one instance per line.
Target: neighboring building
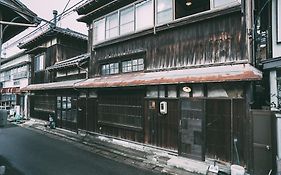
x=55, y=58
x=14, y=74
x=16, y=12
x=14, y=18
x=271, y=66
x=176, y=74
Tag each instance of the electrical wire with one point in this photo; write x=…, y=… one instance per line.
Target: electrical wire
x=46, y=25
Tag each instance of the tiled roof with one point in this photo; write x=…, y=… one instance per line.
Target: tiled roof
x=56, y=30
x=70, y=62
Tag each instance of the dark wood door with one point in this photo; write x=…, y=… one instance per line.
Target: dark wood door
x=81, y=111
x=262, y=143
x=162, y=129
x=192, y=128
x=91, y=116
x=218, y=129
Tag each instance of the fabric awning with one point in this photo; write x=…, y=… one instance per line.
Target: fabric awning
x=10, y=90
x=240, y=72
x=50, y=86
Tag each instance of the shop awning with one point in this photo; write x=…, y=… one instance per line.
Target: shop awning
x=228, y=73
x=50, y=86
x=10, y=90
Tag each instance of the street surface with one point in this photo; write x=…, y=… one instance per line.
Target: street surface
x=26, y=152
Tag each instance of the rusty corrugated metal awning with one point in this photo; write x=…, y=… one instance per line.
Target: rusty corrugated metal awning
x=240, y=72
x=50, y=86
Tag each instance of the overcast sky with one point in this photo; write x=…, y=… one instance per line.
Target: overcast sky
x=44, y=9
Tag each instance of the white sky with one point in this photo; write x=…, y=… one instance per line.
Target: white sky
x=44, y=9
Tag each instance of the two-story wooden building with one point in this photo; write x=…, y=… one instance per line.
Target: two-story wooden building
x=56, y=64
x=177, y=74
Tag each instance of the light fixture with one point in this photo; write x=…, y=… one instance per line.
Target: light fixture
x=188, y=3
x=186, y=89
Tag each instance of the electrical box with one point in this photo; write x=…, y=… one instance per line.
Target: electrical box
x=163, y=107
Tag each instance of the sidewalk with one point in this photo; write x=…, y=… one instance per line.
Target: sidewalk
x=136, y=154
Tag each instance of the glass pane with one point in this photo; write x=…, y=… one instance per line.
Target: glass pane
x=162, y=91
x=164, y=11
x=112, y=26
x=127, y=20
x=58, y=102
x=144, y=15
x=99, y=30
x=172, y=91
x=164, y=16
x=152, y=92
x=218, y=3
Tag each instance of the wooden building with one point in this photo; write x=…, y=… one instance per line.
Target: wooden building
x=176, y=74
x=57, y=62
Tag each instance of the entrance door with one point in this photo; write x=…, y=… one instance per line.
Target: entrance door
x=162, y=129
x=192, y=128
x=262, y=144
x=218, y=129
x=81, y=107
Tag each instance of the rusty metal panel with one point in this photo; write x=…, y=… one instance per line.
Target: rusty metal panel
x=242, y=72
x=55, y=85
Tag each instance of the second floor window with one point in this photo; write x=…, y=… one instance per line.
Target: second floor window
x=109, y=69
x=39, y=63
x=111, y=27
x=7, y=75
x=99, y=30
x=133, y=65
x=127, y=20
x=164, y=11
x=144, y=14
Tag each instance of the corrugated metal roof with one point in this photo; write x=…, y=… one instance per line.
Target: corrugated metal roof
x=241, y=72
x=50, y=86
x=229, y=73
x=70, y=62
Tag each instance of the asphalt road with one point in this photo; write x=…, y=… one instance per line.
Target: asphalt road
x=27, y=152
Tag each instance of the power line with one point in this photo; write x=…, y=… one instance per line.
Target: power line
x=45, y=26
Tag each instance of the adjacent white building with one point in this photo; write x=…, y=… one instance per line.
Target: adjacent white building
x=14, y=74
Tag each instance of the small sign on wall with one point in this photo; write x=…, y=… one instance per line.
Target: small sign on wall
x=152, y=104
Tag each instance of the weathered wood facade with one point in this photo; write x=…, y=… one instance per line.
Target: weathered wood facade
x=206, y=112
x=184, y=84
x=49, y=53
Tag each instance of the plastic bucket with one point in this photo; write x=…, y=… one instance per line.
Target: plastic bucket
x=237, y=170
